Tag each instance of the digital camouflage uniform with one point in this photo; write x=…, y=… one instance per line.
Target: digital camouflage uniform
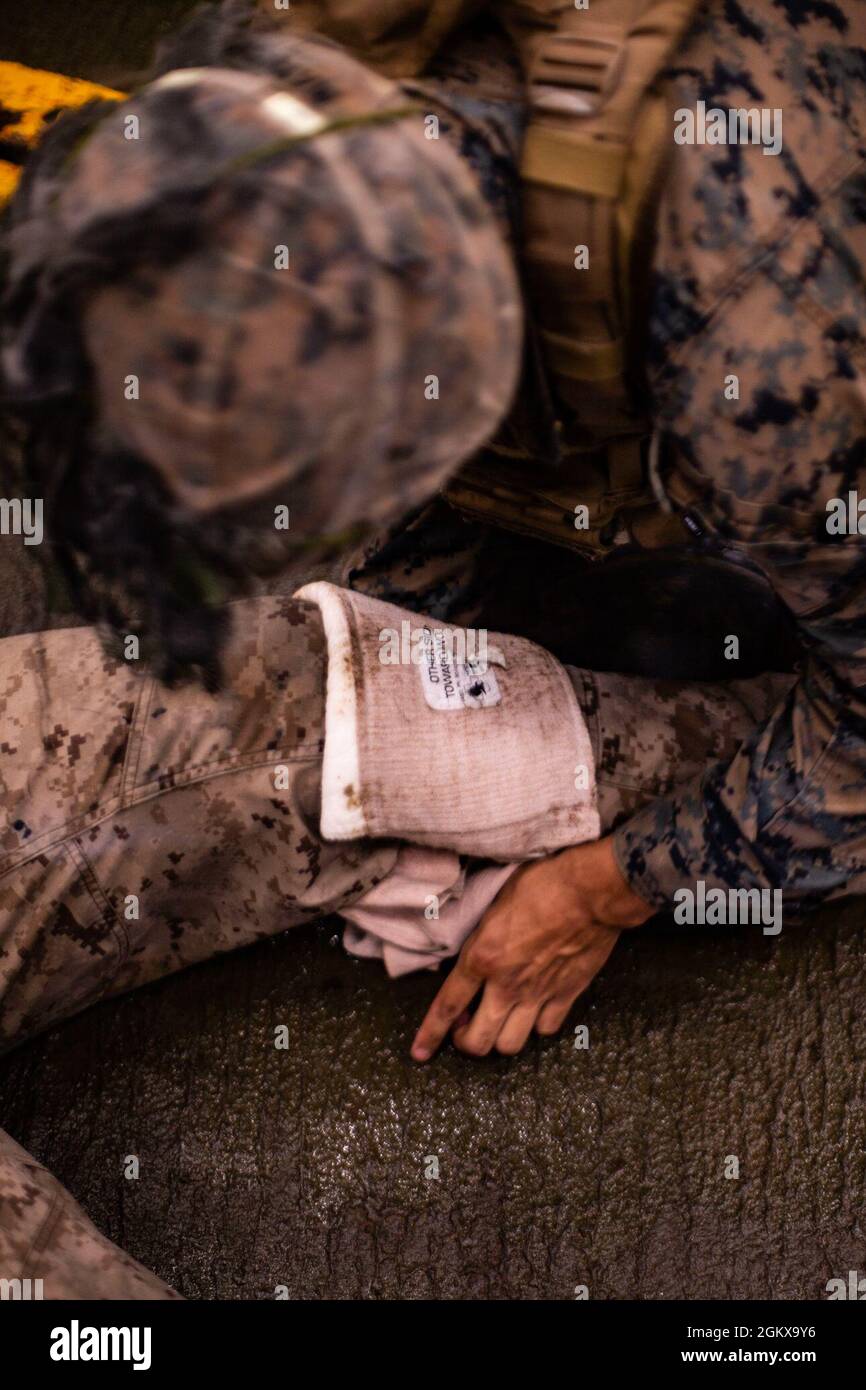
x=759, y=271
x=168, y=796
x=149, y=828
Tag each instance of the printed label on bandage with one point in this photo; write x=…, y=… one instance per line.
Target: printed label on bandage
x=450, y=679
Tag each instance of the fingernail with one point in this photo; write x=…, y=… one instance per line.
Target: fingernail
x=421, y=1054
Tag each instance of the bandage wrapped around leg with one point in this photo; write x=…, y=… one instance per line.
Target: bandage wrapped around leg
x=448, y=738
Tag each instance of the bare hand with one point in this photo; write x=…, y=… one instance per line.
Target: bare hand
x=538, y=946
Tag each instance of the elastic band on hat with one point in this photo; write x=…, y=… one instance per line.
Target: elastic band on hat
x=286, y=110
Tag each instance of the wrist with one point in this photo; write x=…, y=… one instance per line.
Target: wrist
x=596, y=876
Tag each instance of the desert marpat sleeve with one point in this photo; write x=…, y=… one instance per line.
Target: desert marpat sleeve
x=758, y=367
x=146, y=829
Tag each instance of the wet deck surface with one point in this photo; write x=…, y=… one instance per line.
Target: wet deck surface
x=603, y=1167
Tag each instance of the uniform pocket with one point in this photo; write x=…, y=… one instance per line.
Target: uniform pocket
x=60, y=942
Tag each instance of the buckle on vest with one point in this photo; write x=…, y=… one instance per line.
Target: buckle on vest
x=574, y=72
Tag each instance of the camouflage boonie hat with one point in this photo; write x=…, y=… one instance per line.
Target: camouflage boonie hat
x=334, y=319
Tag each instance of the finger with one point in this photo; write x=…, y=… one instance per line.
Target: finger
x=517, y=1028
x=479, y=1035
x=554, y=1014
x=555, y=1011
x=456, y=994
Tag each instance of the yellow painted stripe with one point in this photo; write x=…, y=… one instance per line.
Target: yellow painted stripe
x=9, y=177
x=30, y=94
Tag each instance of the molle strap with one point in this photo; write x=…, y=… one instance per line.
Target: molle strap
x=561, y=159
x=583, y=360
x=596, y=64
x=589, y=177
x=578, y=68
x=625, y=463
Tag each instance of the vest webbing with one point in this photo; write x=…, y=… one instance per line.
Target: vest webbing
x=592, y=166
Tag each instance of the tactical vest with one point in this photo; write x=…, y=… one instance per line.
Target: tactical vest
x=592, y=168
